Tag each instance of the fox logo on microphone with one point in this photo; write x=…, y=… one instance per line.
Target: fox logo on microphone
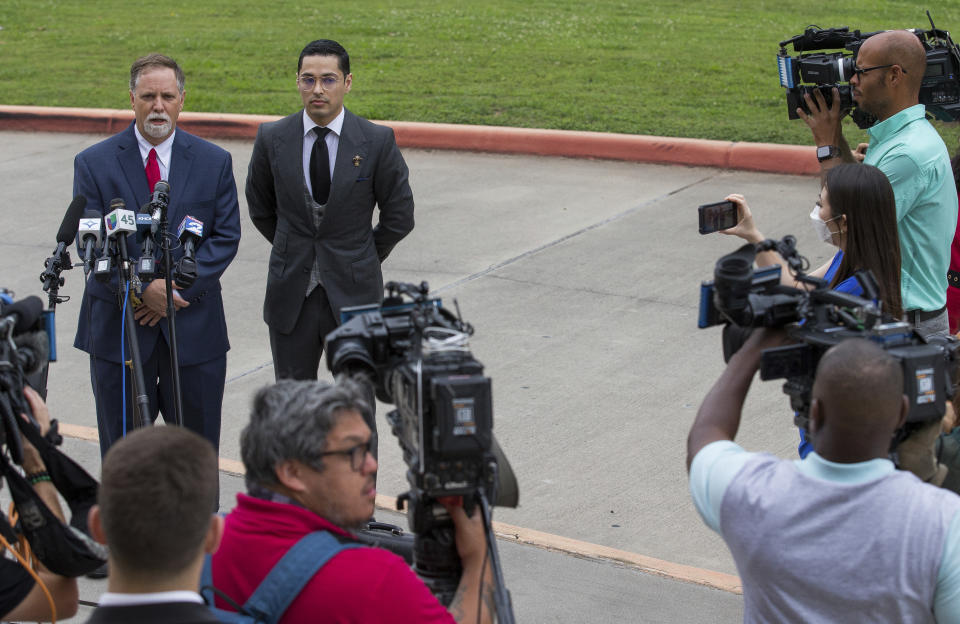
x=192, y=225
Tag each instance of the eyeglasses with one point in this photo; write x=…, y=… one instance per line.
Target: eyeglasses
x=357, y=454
x=860, y=72
x=307, y=82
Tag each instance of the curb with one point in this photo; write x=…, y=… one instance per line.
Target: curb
x=547, y=541
x=764, y=157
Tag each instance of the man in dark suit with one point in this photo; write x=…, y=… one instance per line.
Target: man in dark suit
x=200, y=174
x=154, y=510
x=313, y=199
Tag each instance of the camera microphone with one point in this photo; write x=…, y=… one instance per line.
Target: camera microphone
x=33, y=350
x=24, y=312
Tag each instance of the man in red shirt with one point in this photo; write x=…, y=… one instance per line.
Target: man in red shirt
x=309, y=468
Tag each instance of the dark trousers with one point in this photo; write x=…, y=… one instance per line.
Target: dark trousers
x=201, y=389
x=297, y=355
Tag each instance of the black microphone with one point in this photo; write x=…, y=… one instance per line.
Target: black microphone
x=146, y=266
x=69, y=227
x=159, y=200
x=33, y=351
x=24, y=313
x=89, y=234
x=60, y=260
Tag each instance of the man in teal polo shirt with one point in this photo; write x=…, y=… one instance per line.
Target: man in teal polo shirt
x=886, y=83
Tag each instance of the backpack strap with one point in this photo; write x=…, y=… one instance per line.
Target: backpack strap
x=288, y=577
x=206, y=579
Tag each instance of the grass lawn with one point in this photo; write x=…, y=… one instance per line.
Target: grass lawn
x=705, y=69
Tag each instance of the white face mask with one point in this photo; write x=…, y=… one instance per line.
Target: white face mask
x=820, y=226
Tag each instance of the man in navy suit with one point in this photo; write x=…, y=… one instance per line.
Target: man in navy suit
x=201, y=181
x=314, y=179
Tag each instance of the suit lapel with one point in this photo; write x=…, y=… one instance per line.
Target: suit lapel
x=353, y=143
x=288, y=146
x=181, y=164
x=131, y=163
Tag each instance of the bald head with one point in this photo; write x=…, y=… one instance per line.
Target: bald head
x=860, y=389
x=899, y=47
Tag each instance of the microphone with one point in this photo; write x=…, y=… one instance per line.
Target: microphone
x=68, y=227
x=24, y=313
x=159, y=200
x=60, y=259
x=190, y=234
x=119, y=223
x=89, y=234
x=33, y=351
x=146, y=266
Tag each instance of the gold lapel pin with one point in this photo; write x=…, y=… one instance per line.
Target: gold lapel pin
x=356, y=160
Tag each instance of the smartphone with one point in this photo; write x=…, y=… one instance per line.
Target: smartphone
x=718, y=216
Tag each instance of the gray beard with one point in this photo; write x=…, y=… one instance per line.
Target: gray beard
x=157, y=131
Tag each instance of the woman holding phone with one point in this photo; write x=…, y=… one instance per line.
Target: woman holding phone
x=855, y=212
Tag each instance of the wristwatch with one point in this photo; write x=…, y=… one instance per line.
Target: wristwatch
x=826, y=152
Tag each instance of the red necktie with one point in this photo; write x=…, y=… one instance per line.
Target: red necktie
x=153, y=169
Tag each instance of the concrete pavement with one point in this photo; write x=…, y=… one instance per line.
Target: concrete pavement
x=582, y=281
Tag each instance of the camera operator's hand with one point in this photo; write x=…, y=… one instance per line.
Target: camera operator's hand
x=154, y=306
x=949, y=418
x=474, y=595
x=763, y=338
x=861, y=152
x=745, y=227
x=470, y=535
x=823, y=120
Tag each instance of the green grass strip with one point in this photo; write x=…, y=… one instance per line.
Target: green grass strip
x=686, y=69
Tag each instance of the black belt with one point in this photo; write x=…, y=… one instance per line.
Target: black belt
x=919, y=316
x=953, y=278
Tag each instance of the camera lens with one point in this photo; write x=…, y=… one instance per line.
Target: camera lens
x=846, y=68
x=351, y=357
x=733, y=276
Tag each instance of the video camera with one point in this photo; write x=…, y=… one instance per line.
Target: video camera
x=26, y=339
x=939, y=91
x=416, y=353
x=818, y=319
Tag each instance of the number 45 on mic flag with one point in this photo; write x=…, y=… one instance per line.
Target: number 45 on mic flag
x=120, y=221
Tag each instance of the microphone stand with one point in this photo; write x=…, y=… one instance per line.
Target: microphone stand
x=124, y=273
x=52, y=281
x=171, y=317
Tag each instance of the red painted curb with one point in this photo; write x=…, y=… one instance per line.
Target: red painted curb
x=767, y=157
